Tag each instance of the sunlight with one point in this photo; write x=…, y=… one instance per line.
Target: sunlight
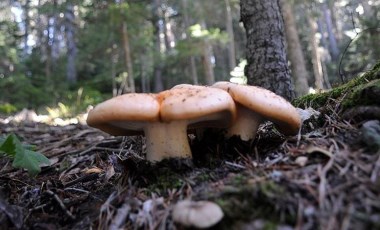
x=237, y=73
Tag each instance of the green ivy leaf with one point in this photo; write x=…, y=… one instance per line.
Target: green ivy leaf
x=22, y=157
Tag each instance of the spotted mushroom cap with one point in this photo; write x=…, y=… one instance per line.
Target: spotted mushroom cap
x=201, y=105
x=265, y=103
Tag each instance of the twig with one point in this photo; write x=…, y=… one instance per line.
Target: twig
x=61, y=204
x=234, y=165
x=85, y=178
x=76, y=190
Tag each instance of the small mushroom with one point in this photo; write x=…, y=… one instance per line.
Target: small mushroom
x=198, y=214
x=164, y=117
x=254, y=105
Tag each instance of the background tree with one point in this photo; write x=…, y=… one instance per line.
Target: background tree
x=74, y=52
x=294, y=50
x=267, y=63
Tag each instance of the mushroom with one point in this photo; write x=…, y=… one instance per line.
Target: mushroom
x=164, y=117
x=199, y=214
x=255, y=104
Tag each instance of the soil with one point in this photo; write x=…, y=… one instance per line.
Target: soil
x=326, y=177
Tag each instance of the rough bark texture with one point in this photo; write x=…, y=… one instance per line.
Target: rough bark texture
x=296, y=57
x=266, y=56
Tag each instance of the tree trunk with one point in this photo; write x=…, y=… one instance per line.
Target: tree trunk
x=315, y=56
x=158, y=81
x=333, y=46
x=207, y=64
x=193, y=68
x=26, y=27
x=206, y=58
x=295, y=54
x=266, y=56
x=71, y=74
x=130, y=87
x=231, y=39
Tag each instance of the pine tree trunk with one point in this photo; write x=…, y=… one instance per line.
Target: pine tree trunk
x=315, y=56
x=130, y=87
x=157, y=70
x=266, y=56
x=71, y=74
x=333, y=46
x=294, y=50
x=193, y=68
x=231, y=39
x=26, y=27
x=207, y=64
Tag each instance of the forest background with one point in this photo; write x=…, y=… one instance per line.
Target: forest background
x=71, y=54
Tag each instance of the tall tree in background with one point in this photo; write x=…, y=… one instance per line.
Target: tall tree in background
x=266, y=56
x=71, y=73
x=186, y=19
x=294, y=50
x=130, y=87
x=231, y=37
x=157, y=72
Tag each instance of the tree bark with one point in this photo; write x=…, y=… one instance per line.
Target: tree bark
x=26, y=27
x=207, y=64
x=266, y=56
x=295, y=54
x=71, y=73
x=333, y=46
x=193, y=68
x=157, y=70
x=230, y=32
x=315, y=56
x=130, y=87
x=206, y=58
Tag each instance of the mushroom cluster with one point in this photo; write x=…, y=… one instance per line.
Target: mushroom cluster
x=165, y=118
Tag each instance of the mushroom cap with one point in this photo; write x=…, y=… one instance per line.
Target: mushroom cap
x=112, y=115
x=200, y=105
x=265, y=103
x=200, y=214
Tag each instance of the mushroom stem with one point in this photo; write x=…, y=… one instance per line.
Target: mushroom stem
x=246, y=124
x=167, y=140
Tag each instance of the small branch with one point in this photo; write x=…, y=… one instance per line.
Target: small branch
x=63, y=207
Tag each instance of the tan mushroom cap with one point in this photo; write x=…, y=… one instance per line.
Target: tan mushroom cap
x=200, y=105
x=110, y=116
x=266, y=104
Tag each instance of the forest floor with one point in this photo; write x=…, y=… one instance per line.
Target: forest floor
x=326, y=177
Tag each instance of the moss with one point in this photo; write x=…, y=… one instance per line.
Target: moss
x=320, y=99
x=365, y=94
x=165, y=179
x=264, y=200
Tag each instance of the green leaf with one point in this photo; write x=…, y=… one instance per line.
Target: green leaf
x=30, y=160
x=23, y=157
x=9, y=145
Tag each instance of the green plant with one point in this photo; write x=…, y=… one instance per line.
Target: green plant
x=23, y=156
x=7, y=108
